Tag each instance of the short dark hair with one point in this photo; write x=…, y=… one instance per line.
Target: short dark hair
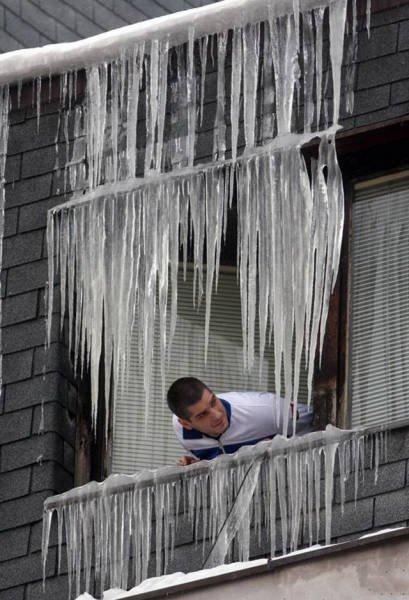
x=184, y=392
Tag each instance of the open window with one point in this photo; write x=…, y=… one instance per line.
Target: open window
x=136, y=446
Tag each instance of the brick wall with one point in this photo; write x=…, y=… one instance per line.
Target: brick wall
x=30, y=23
x=34, y=466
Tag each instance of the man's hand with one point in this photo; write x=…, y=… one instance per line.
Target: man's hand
x=187, y=460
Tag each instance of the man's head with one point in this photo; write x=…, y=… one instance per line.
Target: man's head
x=197, y=407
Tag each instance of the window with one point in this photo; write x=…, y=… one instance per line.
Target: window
x=379, y=303
x=135, y=447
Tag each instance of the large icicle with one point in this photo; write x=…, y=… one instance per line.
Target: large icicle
x=4, y=131
x=124, y=240
x=289, y=226
x=273, y=486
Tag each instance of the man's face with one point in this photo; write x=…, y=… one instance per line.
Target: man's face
x=208, y=415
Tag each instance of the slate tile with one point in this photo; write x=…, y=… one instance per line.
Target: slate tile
x=48, y=446
x=14, y=484
x=400, y=92
x=24, y=278
x=13, y=169
x=51, y=476
x=22, y=248
x=15, y=593
x=27, y=569
x=28, y=191
x=15, y=426
x=50, y=388
x=17, y=309
x=34, y=216
x=14, y=543
x=10, y=222
x=22, y=511
x=392, y=507
x=57, y=418
x=26, y=136
x=382, y=41
x=390, y=477
x=383, y=70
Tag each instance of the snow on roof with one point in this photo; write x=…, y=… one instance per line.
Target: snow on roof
x=57, y=58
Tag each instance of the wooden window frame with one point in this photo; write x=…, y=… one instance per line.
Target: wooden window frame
x=364, y=153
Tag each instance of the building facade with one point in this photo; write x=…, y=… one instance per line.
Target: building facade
x=40, y=389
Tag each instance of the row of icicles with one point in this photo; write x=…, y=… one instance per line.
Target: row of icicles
x=261, y=501
x=142, y=116
x=118, y=255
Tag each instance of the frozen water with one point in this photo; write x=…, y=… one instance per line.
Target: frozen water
x=289, y=232
x=275, y=486
x=116, y=247
x=4, y=130
x=116, y=251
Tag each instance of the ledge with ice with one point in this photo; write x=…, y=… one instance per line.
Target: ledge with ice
x=275, y=485
x=57, y=58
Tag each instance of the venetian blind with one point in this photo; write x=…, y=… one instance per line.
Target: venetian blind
x=379, y=331
x=135, y=447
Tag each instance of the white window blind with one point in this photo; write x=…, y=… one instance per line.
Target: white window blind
x=136, y=448
x=379, y=307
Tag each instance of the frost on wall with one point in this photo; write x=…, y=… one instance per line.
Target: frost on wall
x=117, y=247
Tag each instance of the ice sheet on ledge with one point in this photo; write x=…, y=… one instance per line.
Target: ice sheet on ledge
x=57, y=58
x=246, y=454
x=222, y=500
x=125, y=186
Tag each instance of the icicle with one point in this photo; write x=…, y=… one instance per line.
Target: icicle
x=351, y=60
x=251, y=42
x=337, y=15
x=309, y=53
x=329, y=453
x=191, y=99
x=38, y=85
x=19, y=89
x=219, y=139
x=268, y=86
x=284, y=47
x=203, y=61
x=236, y=77
x=318, y=20
x=368, y=17
x=47, y=519
x=134, y=84
x=4, y=131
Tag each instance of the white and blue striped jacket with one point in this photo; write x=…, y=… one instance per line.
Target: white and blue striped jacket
x=252, y=417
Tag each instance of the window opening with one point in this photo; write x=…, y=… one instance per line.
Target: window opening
x=379, y=304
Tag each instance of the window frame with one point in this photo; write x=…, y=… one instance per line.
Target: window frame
x=365, y=154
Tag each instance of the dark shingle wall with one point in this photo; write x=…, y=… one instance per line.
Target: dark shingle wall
x=30, y=23
x=382, y=82
x=33, y=465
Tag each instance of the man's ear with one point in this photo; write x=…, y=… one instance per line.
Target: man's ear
x=185, y=423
